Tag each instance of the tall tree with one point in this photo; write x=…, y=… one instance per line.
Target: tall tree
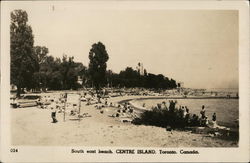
x=41, y=52
x=98, y=57
x=23, y=61
x=51, y=76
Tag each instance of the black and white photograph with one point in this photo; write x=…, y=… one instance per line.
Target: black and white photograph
x=84, y=74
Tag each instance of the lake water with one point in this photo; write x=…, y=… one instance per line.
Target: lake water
x=227, y=110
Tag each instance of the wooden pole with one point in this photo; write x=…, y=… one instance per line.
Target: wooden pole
x=65, y=107
x=79, y=106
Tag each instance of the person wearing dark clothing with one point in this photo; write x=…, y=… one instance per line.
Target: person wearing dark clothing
x=53, y=116
x=214, y=123
x=203, y=112
x=172, y=105
x=195, y=120
x=214, y=117
x=187, y=116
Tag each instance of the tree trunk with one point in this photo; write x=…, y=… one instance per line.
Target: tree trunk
x=18, y=91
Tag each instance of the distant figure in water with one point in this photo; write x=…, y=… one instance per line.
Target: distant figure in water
x=164, y=105
x=206, y=121
x=186, y=110
x=203, y=112
x=187, y=115
x=214, y=117
x=172, y=105
x=53, y=115
x=214, y=120
x=182, y=111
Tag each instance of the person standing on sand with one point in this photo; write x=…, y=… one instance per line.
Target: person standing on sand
x=106, y=102
x=53, y=115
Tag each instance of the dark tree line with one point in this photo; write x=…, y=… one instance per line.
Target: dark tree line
x=33, y=69
x=131, y=78
x=31, y=66
x=59, y=74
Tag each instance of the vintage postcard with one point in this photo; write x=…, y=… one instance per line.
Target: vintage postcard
x=124, y=81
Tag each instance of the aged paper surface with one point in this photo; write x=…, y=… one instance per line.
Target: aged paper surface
x=201, y=47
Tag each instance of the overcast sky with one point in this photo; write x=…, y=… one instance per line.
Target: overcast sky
x=199, y=48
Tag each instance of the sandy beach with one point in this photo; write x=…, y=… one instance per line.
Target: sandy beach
x=32, y=127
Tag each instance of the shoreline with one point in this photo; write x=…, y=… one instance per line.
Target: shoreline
x=99, y=130
x=133, y=102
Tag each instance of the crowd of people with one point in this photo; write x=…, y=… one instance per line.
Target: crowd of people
x=55, y=103
x=176, y=116
x=59, y=104
x=183, y=112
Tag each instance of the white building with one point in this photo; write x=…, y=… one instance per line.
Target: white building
x=181, y=84
x=79, y=80
x=140, y=69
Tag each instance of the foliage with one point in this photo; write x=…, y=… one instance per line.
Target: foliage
x=131, y=78
x=23, y=61
x=167, y=117
x=32, y=68
x=61, y=75
x=98, y=57
x=40, y=52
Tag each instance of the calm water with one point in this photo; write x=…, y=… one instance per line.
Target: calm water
x=227, y=110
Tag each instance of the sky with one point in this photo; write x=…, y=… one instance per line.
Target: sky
x=196, y=47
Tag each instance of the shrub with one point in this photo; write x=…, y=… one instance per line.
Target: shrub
x=167, y=117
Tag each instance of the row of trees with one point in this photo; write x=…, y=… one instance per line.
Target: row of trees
x=132, y=78
x=32, y=68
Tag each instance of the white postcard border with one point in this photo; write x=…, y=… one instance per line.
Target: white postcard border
x=63, y=154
